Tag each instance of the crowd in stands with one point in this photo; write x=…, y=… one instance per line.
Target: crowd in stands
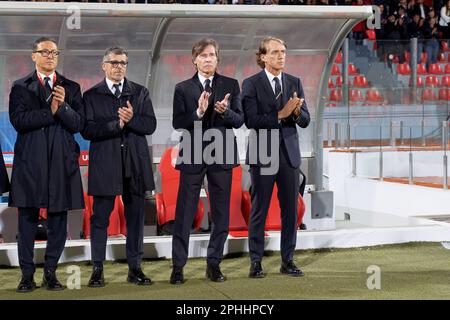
x=401, y=20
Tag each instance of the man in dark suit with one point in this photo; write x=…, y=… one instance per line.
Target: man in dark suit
x=4, y=181
x=119, y=114
x=45, y=109
x=273, y=103
x=205, y=103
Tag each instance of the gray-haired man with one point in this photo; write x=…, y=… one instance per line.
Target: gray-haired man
x=119, y=114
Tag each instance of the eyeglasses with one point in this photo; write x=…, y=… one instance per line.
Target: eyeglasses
x=47, y=53
x=116, y=64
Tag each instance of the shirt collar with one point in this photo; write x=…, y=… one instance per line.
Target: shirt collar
x=271, y=76
x=111, y=84
x=51, y=76
x=203, y=79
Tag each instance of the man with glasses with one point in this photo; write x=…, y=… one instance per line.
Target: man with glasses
x=119, y=114
x=45, y=108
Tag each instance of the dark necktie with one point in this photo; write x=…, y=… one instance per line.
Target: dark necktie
x=208, y=114
x=117, y=89
x=278, y=93
x=48, y=89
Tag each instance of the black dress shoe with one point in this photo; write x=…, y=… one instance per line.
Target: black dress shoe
x=302, y=226
x=291, y=269
x=256, y=270
x=138, y=277
x=97, y=280
x=26, y=284
x=177, y=275
x=213, y=273
x=50, y=282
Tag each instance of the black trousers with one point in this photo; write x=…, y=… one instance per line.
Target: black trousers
x=219, y=188
x=56, y=239
x=287, y=179
x=134, y=216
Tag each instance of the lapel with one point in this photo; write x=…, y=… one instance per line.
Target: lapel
x=218, y=94
x=267, y=87
x=34, y=85
x=286, y=95
x=102, y=87
x=197, y=87
x=128, y=88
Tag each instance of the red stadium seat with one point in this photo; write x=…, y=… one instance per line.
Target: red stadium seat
x=445, y=81
x=444, y=94
x=339, y=81
x=423, y=57
x=407, y=56
x=403, y=69
x=447, y=68
x=339, y=57
x=428, y=95
x=335, y=71
x=352, y=70
x=435, y=68
x=419, y=81
x=356, y=95
x=373, y=96
x=431, y=81
x=441, y=57
x=166, y=201
x=444, y=46
x=421, y=69
x=330, y=83
x=336, y=95
x=360, y=81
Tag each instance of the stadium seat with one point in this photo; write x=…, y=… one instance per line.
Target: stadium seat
x=373, y=96
x=423, y=57
x=419, y=81
x=422, y=69
x=355, y=96
x=441, y=57
x=166, y=200
x=330, y=83
x=335, y=71
x=403, y=69
x=447, y=68
x=339, y=81
x=444, y=94
x=428, y=94
x=435, y=68
x=444, y=46
x=445, y=81
x=352, y=70
x=336, y=95
x=360, y=81
x=338, y=57
x=431, y=81
x=407, y=56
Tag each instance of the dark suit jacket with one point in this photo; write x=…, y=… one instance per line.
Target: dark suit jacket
x=185, y=104
x=45, y=168
x=4, y=181
x=102, y=129
x=260, y=112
